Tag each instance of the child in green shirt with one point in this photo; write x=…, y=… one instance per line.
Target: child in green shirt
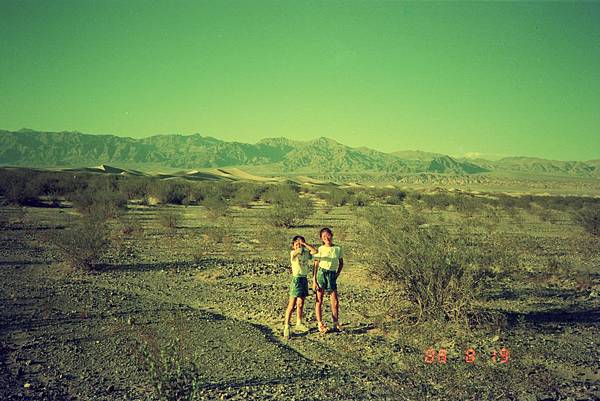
x=300, y=258
x=328, y=264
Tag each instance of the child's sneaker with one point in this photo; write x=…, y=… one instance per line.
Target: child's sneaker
x=286, y=331
x=300, y=327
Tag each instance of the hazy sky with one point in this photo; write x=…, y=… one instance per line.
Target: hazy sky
x=500, y=78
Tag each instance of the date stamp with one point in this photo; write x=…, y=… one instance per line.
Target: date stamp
x=440, y=356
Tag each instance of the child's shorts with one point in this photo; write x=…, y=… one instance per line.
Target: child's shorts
x=327, y=280
x=299, y=287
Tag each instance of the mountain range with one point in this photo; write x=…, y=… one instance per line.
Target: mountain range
x=277, y=155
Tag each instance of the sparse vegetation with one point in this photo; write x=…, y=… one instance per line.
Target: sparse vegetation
x=463, y=260
x=426, y=264
x=84, y=244
x=171, y=365
x=287, y=209
x=589, y=218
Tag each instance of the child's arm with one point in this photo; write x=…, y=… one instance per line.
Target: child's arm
x=341, y=266
x=311, y=248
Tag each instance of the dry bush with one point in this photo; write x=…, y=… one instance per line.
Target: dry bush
x=216, y=206
x=84, y=244
x=589, y=218
x=169, y=220
x=287, y=209
x=286, y=216
x=426, y=264
x=246, y=193
x=170, y=363
x=98, y=203
x=336, y=196
x=360, y=199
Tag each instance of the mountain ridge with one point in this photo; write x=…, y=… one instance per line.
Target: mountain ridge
x=322, y=155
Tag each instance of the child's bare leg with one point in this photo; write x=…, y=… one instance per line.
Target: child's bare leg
x=318, y=305
x=289, y=310
x=335, y=307
x=299, y=308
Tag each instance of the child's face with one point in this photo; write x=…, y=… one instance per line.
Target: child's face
x=297, y=244
x=326, y=237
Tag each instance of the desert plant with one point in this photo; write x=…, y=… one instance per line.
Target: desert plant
x=425, y=263
x=393, y=196
x=20, y=188
x=246, y=193
x=136, y=187
x=359, y=199
x=336, y=196
x=84, y=244
x=589, y=218
x=290, y=214
x=170, y=220
x=173, y=372
x=173, y=192
x=98, y=202
x=281, y=193
x=216, y=206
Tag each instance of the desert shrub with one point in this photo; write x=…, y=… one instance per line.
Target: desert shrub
x=169, y=220
x=171, y=367
x=589, y=218
x=336, y=196
x=426, y=264
x=468, y=205
x=216, y=206
x=507, y=201
x=392, y=196
x=288, y=215
x=215, y=190
x=19, y=187
x=247, y=193
x=173, y=192
x=84, y=244
x=97, y=202
x=288, y=210
x=438, y=201
x=136, y=187
x=359, y=199
x=280, y=194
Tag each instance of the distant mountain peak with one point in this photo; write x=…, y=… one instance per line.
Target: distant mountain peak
x=325, y=140
x=322, y=156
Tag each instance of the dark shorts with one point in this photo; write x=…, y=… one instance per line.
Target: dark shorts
x=327, y=280
x=299, y=287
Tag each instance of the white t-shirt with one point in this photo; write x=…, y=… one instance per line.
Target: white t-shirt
x=300, y=262
x=329, y=257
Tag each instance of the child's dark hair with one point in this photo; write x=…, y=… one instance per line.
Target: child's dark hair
x=325, y=230
x=297, y=237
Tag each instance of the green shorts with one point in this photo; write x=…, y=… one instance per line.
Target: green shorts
x=299, y=287
x=326, y=279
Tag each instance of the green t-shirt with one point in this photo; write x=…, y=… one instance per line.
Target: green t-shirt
x=329, y=257
x=300, y=260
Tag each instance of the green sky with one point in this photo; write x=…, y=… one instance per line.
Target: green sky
x=503, y=78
